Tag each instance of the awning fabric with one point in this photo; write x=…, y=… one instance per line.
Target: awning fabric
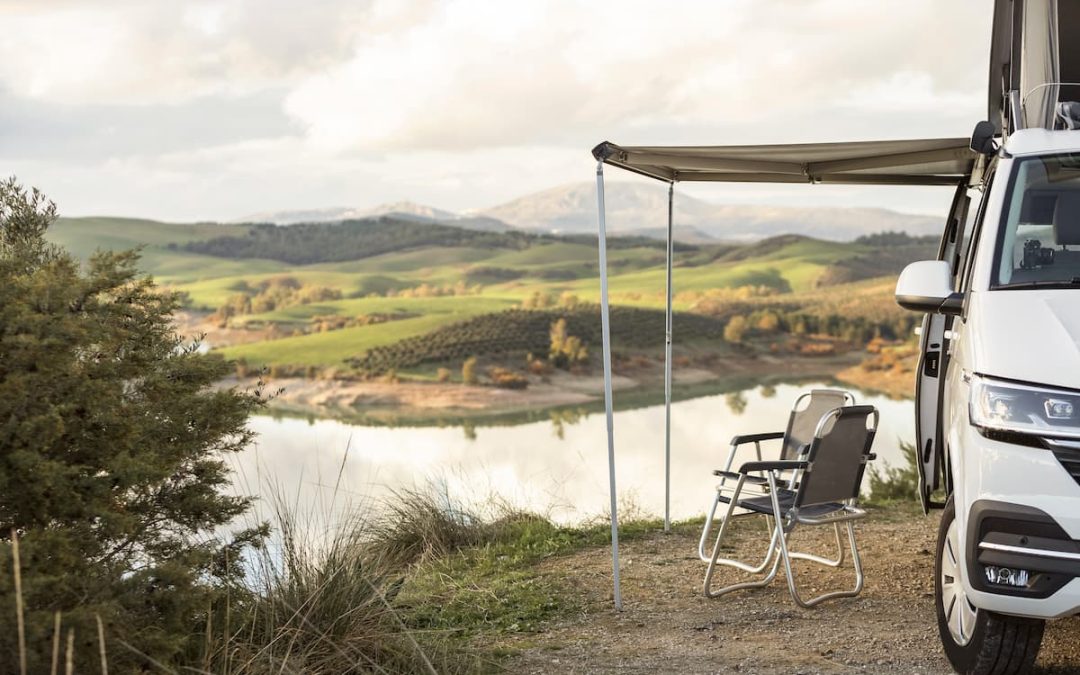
x=939, y=161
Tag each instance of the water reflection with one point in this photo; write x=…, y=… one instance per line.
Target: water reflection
x=557, y=466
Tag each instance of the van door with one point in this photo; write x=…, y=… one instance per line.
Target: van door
x=933, y=356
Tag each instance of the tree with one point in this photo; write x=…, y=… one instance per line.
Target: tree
x=735, y=329
x=112, y=441
x=768, y=322
x=468, y=371
x=565, y=349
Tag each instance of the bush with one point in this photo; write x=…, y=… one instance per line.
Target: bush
x=468, y=371
x=112, y=454
x=566, y=350
x=768, y=322
x=735, y=329
x=442, y=375
x=896, y=483
x=507, y=379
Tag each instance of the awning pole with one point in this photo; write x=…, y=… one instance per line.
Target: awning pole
x=667, y=363
x=605, y=332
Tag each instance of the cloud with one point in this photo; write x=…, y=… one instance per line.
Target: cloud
x=126, y=52
x=482, y=74
x=217, y=109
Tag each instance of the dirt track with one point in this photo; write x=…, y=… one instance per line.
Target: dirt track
x=667, y=626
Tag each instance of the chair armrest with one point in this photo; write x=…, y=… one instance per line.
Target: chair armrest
x=756, y=438
x=773, y=466
x=757, y=480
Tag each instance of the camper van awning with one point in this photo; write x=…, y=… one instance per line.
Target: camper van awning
x=939, y=161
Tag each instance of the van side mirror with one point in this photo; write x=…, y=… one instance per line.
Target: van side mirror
x=982, y=139
x=926, y=286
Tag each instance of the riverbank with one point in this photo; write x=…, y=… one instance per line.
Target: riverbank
x=402, y=401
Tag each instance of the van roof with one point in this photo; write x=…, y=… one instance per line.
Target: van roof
x=1042, y=141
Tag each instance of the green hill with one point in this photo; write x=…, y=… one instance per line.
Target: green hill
x=338, y=276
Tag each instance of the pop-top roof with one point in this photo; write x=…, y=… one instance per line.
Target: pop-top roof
x=941, y=161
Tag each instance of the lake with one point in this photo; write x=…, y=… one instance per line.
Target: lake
x=556, y=467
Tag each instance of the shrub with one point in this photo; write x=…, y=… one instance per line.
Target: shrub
x=569, y=300
x=507, y=379
x=566, y=350
x=468, y=371
x=537, y=366
x=896, y=483
x=539, y=300
x=442, y=375
x=390, y=377
x=112, y=453
x=768, y=322
x=817, y=349
x=735, y=329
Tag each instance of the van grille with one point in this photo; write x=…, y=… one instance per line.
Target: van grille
x=1068, y=455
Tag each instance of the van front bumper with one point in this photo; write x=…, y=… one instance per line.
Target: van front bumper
x=1021, y=512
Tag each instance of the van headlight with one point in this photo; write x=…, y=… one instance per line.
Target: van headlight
x=1021, y=408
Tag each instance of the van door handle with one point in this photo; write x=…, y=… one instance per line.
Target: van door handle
x=930, y=367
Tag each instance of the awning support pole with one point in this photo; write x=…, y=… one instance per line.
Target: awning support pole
x=605, y=331
x=667, y=362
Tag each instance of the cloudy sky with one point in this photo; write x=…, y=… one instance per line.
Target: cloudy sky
x=213, y=110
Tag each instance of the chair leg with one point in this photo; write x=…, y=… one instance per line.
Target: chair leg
x=831, y=562
x=715, y=559
x=807, y=604
x=705, y=530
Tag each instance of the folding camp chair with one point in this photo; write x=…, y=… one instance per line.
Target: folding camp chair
x=805, y=415
x=826, y=485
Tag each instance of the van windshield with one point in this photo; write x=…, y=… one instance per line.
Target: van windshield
x=1039, y=243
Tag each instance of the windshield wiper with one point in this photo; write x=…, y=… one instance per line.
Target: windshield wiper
x=1048, y=283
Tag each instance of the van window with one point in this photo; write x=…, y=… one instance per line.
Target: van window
x=1039, y=239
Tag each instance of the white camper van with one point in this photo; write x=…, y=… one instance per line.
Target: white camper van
x=998, y=383
x=998, y=401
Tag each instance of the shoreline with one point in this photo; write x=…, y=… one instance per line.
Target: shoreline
x=419, y=403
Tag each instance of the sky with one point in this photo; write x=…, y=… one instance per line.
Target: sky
x=213, y=110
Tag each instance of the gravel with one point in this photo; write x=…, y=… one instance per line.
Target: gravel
x=667, y=625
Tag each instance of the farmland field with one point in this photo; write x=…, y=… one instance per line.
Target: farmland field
x=407, y=283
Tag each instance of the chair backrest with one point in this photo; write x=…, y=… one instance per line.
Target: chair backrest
x=838, y=455
x=805, y=415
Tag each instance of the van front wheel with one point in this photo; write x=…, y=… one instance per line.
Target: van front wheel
x=976, y=642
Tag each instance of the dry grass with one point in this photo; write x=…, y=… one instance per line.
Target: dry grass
x=314, y=602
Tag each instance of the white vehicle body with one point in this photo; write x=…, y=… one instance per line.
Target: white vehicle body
x=1022, y=337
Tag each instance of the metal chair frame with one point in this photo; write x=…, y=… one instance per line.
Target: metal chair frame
x=782, y=522
x=759, y=482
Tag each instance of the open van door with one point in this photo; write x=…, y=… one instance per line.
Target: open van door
x=933, y=361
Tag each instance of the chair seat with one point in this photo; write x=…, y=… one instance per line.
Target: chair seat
x=783, y=492
x=786, y=498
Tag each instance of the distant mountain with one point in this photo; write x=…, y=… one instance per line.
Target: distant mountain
x=634, y=209
x=400, y=210
x=642, y=209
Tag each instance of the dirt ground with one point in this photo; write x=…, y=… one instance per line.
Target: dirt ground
x=668, y=626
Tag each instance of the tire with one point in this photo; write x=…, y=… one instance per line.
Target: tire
x=981, y=642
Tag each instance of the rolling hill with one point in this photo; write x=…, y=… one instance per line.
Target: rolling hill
x=317, y=294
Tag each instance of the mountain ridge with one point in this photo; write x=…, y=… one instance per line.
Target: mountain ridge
x=634, y=209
